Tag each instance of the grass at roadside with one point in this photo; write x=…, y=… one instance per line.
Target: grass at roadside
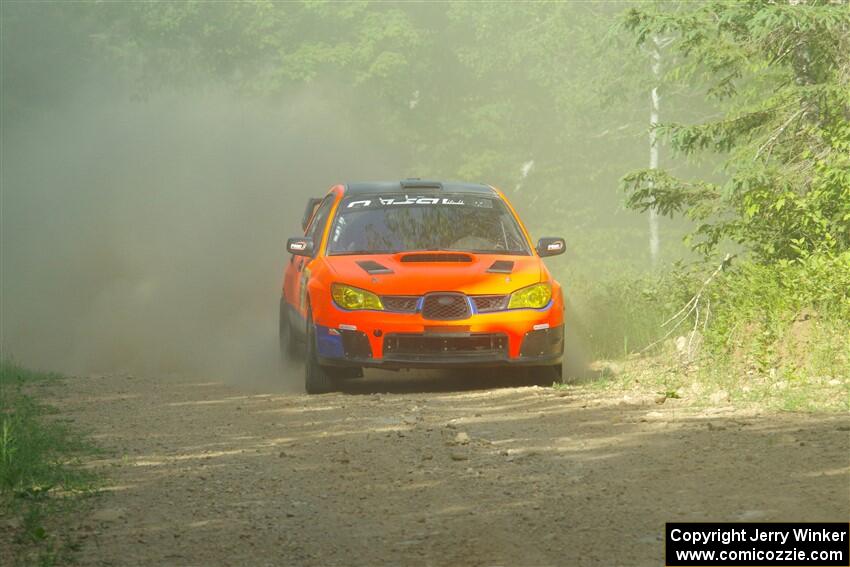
x=41, y=484
x=775, y=336
x=712, y=382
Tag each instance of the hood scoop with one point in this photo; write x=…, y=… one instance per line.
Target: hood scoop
x=373, y=268
x=501, y=267
x=436, y=257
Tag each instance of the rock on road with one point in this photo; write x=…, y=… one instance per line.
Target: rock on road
x=205, y=473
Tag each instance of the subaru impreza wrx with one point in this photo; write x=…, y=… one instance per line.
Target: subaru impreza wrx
x=418, y=274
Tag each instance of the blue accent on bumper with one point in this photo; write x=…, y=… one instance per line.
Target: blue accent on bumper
x=328, y=345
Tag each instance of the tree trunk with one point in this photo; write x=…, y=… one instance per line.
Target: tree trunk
x=654, y=236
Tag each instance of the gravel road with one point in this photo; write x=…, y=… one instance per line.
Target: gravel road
x=407, y=470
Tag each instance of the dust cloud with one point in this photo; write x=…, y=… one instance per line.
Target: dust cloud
x=148, y=236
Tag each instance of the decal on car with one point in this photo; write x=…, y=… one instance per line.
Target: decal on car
x=418, y=200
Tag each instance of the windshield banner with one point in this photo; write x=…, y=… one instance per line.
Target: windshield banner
x=406, y=200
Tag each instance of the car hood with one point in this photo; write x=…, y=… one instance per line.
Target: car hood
x=417, y=273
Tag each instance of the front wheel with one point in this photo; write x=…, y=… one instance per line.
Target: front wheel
x=290, y=349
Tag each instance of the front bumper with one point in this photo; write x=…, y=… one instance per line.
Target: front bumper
x=442, y=348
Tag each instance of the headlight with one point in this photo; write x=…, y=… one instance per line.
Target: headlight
x=349, y=297
x=533, y=297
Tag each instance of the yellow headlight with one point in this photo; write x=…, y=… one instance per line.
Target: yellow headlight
x=349, y=297
x=531, y=297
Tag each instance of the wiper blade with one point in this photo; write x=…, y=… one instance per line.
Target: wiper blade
x=496, y=252
x=362, y=252
x=471, y=250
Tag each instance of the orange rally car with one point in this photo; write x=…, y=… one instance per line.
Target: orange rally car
x=418, y=274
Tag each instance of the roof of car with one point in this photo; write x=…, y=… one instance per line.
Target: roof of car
x=406, y=185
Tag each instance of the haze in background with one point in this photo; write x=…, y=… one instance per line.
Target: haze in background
x=143, y=226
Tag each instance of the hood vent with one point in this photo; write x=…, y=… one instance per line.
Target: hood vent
x=373, y=267
x=501, y=267
x=436, y=258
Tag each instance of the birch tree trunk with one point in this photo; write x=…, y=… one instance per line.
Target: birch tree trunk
x=654, y=236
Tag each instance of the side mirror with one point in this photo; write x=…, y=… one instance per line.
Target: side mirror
x=312, y=203
x=300, y=246
x=551, y=246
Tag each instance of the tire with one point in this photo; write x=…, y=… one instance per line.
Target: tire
x=317, y=378
x=290, y=349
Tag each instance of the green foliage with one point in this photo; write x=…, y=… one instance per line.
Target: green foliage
x=622, y=315
x=38, y=476
x=33, y=451
x=772, y=297
x=777, y=329
x=782, y=75
x=263, y=47
x=773, y=334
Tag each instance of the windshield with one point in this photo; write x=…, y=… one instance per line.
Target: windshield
x=405, y=223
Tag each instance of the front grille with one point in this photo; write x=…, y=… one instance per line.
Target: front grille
x=424, y=346
x=445, y=306
x=455, y=310
x=485, y=303
x=400, y=303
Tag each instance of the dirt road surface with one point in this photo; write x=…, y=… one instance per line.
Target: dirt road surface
x=402, y=470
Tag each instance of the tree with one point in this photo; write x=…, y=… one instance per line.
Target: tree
x=459, y=90
x=782, y=73
x=472, y=91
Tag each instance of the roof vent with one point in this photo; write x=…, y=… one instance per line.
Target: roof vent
x=416, y=183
